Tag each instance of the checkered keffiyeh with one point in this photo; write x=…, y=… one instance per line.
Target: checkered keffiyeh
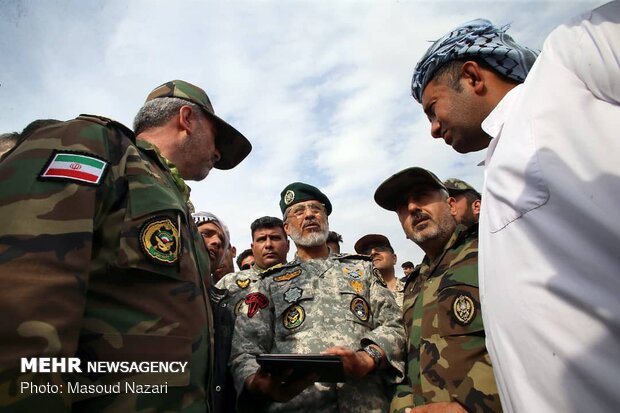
x=477, y=38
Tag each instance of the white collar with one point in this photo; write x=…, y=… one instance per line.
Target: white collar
x=492, y=125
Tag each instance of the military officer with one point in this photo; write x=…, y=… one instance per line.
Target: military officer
x=319, y=302
x=270, y=246
x=100, y=259
x=448, y=367
x=467, y=199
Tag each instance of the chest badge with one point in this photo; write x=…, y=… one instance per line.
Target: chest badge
x=357, y=286
x=159, y=239
x=288, y=276
x=243, y=283
x=463, y=309
x=255, y=302
x=239, y=306
x=360, y=308
x=354, y=273
x=293, y=294
x=294, y=316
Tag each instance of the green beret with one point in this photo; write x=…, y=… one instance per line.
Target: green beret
x=300, y=192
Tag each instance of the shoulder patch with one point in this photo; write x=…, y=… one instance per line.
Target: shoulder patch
x=360, y=308
x=293, y=317
x=159, y=239
x=79, y=167
x=288, y=276
x=463, y=309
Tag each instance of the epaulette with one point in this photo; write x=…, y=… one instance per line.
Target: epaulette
x=352, y=257
x=102, y=120
x=277, y=268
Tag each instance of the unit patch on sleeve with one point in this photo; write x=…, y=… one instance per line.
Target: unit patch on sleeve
x=159, y=239
x=360, y=308
x=74, y=167
x=293, y=294
x=463, y=309
x=293, y=317
x=243, y=283
x=255, y=302
x=288, y=276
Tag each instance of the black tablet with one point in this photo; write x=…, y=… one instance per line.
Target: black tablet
x=328, y=367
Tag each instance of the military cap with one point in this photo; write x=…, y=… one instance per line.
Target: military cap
x=371, y=240
x=206, y=217
x=456, y=186
x=301, y=192
x=390, y=193
x=233, y=146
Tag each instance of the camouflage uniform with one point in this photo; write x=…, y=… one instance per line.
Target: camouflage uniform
x=309, y=306
x=399, y=292
x=99, y=259
x=446, y=356
x=228, y=301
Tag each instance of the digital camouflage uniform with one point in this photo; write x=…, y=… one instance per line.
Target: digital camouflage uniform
x=399, y=292
x=228, y=301
x=446, y=356
x=306, y=307
x=99, y=259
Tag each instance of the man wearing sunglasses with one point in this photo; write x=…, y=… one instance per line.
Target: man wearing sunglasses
x=319, y=302
x=380, y=250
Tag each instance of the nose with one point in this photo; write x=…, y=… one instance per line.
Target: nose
x=435, y=129
x=412, y=205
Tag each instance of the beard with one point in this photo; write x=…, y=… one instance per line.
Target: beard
x=441, y=227
x=312, y=239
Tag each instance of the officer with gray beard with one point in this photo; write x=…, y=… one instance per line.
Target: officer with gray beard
x=335, y=304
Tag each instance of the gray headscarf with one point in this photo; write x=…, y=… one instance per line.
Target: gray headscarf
x=202, y=217
x=477, y=38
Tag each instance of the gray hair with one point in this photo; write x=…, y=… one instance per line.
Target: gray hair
x=158, y=112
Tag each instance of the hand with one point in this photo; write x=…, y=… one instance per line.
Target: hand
x=277, y=387
x=441, y=407
x=356, y=364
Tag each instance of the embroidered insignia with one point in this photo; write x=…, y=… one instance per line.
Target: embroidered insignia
x=463, y=309
x=159, y=239
x=288, y=276
x=357, y=286
x=360, y=308
x=243, y=283
x=255, y=302
x=355, y=273
x=289, y=197
x=293, y=294
x=294, y=316
x=238, y=306
x=69, y=166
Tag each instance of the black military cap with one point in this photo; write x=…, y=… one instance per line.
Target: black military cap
x=371, y=240
x=391, y=191
x=301, y=192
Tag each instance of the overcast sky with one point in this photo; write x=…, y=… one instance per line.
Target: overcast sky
x=320, y=88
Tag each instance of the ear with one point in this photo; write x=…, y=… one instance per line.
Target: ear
x=452, y=204
x=475, y=206
x=233, y=251
x=288, y=245
x=186, y=117
x=474, y=76
x=286, y=227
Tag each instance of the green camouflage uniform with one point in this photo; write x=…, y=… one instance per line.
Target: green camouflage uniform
x=228, y=301
x=306, y=307
x=446, y=356
x=99, y=259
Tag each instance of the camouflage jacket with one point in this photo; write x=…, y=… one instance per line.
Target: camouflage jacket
x=228, y=301
x=100, y=260
x=306, y=307
x=446, y=356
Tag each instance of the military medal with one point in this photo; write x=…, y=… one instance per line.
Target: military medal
x=463, y=309
x=354, y=273
x=293, y=317
x=357, y=286
x=360, y=308
x=159, y=239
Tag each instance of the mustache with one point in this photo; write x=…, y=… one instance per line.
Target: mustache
x=311, y=221
x=419, y=216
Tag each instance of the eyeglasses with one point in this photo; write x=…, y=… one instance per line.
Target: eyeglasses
x=299, y=210
x=378, y=248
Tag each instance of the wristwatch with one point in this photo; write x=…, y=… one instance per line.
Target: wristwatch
x=375, y=354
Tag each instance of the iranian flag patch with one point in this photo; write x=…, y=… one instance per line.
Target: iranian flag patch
x=74, y=167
